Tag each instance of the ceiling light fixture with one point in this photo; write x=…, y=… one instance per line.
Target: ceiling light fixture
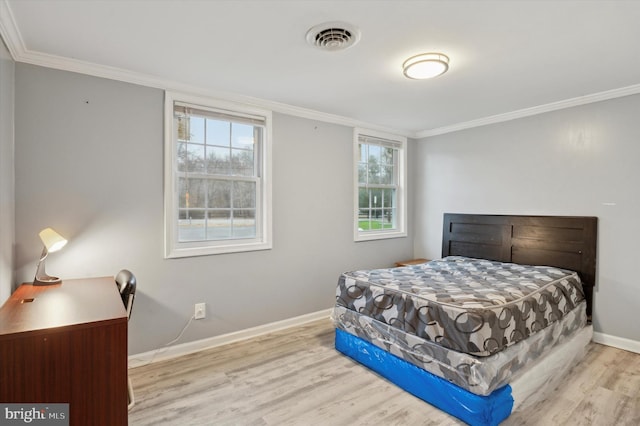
x=425, y=65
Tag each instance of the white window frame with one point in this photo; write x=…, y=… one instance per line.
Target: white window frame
x=401, y=190
x=263, y=240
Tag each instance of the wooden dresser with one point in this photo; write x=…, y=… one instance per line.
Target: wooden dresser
x=67, y=343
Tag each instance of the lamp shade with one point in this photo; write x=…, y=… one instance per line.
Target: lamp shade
x=52, y=240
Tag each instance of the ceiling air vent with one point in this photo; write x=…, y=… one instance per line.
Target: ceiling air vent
x=333, y=36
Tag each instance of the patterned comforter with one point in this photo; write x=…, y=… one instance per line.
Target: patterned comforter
x=474, y=306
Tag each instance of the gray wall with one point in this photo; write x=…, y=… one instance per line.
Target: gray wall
x=89, y=164
x=7, y=69
x=577, y=161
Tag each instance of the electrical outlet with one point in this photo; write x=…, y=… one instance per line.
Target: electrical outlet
x=200, y=311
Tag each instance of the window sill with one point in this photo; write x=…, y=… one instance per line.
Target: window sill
x=177, y=253
x=378, y=236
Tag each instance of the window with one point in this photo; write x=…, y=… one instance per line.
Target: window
x=217, y=186
x=380, y=176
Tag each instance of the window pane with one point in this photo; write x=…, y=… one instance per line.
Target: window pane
x=374, y=171
x=244, y=195
x=364, y=224
x=196, y=216
x=376, y=214
x=195, y=158
x=242, y=162
x=374, y=152
x=197, y=195
x=219, y=224
x=387, y=156
x=386, y=219
x=376, y=165
x=364, y=212
x=244, y=223
x=389, y=218
x=387, y=176
x=242, y=136
x=388, y=197
x=212, y=199
x=196, y=129
x=362, y=173
x=376, y=209
x=191, y=225
x=182, y=156
x=191, y=193
x=218, y=132
x=218, y=160
x=243, y=214
x=375, y=198
x=219, y=194
x=363, y=200
x=183, y=189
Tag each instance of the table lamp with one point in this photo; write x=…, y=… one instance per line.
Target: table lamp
x=52, y=242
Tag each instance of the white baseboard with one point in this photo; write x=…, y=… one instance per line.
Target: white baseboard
x=165, y=353
x=617, y=342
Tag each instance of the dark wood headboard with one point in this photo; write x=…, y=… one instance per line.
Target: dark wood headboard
x=567, y=242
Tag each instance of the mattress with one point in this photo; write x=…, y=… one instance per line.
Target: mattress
x=479, y=375
x=473, y=306
x=536, y=384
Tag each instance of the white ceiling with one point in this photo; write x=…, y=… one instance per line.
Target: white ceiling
x=506, y=56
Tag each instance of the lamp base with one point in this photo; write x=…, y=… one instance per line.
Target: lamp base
x=46, y=280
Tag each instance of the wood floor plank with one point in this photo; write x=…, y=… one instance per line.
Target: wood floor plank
x=603, y=407
x=623, y=380
x=296, y=377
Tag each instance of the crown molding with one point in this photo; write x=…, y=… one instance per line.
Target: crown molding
x=119, y=74
x=9, y=31
x=11, y=35
x=73, y=65
x=123, y=75
x=527, y=112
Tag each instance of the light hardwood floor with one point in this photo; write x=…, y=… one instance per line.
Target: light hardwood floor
x=296, y=377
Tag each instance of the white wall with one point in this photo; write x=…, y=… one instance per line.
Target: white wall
x=577, y=161
x=89, y=164
x=7, y=232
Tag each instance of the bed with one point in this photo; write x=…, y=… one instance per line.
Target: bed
x=486, y=330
